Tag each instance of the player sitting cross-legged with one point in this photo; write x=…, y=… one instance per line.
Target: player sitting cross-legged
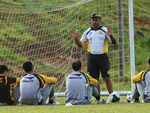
x=80, y=87
x=36, y=88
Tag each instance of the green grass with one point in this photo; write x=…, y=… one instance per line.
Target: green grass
x=121, y=107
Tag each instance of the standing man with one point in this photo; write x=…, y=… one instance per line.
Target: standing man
x=9, y=90
x=142, y=86
x=97, y=37
x=36, y=88
x=80, y=87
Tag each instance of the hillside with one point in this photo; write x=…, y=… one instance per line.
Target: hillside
x=35, y=30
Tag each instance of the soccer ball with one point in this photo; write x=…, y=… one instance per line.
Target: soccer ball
x=114, y=97
x=130, y=97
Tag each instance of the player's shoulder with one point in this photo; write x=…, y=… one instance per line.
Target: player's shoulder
x=11, y=78
x=84, y=74
x=104, y=28
x=88, y=30
x=147, y=71
x=40, y=75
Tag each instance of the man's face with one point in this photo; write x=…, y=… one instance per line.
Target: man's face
x=95, y=22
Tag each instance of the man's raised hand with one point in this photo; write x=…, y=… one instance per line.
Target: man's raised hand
x=74, y=33
x=109, y=31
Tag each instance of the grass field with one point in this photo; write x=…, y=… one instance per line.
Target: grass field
x=121, y=107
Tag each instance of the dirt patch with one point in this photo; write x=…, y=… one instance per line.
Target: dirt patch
x=142, y=22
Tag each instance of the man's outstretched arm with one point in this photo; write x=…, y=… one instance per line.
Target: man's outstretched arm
x=75, y=36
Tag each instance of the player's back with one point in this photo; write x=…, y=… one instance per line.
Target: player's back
x=76, y=87
x=29, y=89
x=6, y=84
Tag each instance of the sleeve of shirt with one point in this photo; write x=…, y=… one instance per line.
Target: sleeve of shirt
x=91, y=80
x=84, y=39
x=48, y=80
x=139, y=77
x=13, y=81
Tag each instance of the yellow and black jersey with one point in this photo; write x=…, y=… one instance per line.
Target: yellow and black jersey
x=6, y=88
x=139, y=77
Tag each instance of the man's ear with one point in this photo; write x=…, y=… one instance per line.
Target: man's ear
x=5, y=73
x=148, y=66
x=33, y=69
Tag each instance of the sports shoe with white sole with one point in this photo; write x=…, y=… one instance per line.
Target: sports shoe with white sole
x=68, y=104
x=135, y=100
x=91, y=98
x=101, y=101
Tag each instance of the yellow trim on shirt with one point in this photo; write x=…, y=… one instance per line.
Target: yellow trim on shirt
x=11, y=92
x=139, y=77
x=5, y=80
x=88, y=49
x=48, y=80
x=105, y=45
x=11, y=88
x=91, y=80
x=84, y=43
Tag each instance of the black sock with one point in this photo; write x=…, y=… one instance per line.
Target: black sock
x=51, y=101
x=98, y=97
x=136, y=99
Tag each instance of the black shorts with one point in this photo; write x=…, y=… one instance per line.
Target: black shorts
x=97, y=64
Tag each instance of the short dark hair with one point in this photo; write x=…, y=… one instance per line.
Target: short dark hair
x=3, y=68
x=149, y=61
x=76, y=65
x=27, y=66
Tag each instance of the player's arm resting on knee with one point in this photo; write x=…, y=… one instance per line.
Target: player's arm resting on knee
x=139, y=77
x=48, y=80
x=91, y=80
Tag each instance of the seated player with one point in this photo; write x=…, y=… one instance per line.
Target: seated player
x=142, y=86
x=80, y=87
x=9, y=88
x=36, y=88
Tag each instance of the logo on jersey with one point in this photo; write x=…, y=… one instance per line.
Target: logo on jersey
x=100, y=32
x=28, y=79
x=75, y=77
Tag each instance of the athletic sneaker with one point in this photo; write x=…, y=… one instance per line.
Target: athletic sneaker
x=135, y=100
x=68, y=104
x=91, y=98
x=54, y=103
x=101, y=101
x=3, y=104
